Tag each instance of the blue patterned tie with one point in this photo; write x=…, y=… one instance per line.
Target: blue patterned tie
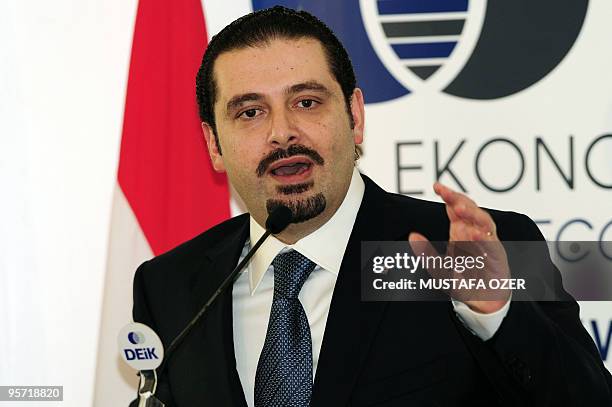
x=284, y=371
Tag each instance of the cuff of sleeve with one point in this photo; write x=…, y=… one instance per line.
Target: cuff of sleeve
x=482, y=325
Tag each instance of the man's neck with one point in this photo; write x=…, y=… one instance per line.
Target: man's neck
x=297, y=231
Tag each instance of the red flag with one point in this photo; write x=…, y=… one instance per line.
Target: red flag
x=167, y=190
x=164, y=170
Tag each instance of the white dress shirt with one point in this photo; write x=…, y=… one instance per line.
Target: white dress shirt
x=253, y=291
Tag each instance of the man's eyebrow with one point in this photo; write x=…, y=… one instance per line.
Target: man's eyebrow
x=238, y=100
x=309, y=85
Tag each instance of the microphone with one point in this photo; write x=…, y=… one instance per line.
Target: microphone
x=277, y=221
x=142, y=350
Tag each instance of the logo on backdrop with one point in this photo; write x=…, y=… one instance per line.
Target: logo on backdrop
x=474, y=49
x=602, y=336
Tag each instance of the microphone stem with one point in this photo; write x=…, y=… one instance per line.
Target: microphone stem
x=229, y=280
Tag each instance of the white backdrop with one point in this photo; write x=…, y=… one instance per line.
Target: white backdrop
x=63, y=72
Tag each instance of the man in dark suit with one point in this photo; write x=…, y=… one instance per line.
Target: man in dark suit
x=282, y=116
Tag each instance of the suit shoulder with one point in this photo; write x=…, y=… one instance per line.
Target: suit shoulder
x=398, y=201
x=197, y=247
x=510, y=225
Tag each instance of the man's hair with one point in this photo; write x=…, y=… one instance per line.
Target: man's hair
x=259, y=28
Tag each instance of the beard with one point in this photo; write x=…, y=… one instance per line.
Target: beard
x=301, y=209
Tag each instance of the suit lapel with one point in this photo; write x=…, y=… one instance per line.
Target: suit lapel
x=208, y=356
x=351, y=323
x=210, y=376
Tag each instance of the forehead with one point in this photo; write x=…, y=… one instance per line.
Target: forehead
x=271, y=68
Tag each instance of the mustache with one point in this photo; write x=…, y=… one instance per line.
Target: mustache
x=279, y=154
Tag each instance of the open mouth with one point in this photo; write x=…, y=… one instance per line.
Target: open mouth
x=291, y=170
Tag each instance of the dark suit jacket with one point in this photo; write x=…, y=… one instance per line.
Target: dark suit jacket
x=375, y=353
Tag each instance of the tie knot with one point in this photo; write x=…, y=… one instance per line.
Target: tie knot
x=291, y=269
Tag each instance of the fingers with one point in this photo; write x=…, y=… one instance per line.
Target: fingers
x=461, y=208
x=448, y=195
x=476, y=216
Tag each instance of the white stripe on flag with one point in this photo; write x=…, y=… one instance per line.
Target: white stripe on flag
x=128, y=248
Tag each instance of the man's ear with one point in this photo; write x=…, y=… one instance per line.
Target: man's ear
x=213, y=148
x=358, y=113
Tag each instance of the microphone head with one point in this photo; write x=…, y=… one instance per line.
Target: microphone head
x=140, y=347
x=279, y=219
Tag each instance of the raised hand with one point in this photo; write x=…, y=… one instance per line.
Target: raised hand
x=472, y=230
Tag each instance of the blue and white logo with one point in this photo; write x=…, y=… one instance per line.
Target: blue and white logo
x=423, y=44
x=473, y=49
x=140, y=347
x=136, y=337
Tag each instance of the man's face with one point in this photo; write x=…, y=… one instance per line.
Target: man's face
x=283, y=128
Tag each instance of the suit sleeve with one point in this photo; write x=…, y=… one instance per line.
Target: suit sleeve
x=542, y=355
x=141, y=313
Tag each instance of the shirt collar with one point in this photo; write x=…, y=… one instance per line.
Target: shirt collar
x=325, y=246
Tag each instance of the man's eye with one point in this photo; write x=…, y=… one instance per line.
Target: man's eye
x=250, y=113
x=307, y=103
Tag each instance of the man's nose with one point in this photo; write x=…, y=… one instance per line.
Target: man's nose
x=283, y=132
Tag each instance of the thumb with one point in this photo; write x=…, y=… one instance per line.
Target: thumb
x=420, y=244
x=417, y=237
